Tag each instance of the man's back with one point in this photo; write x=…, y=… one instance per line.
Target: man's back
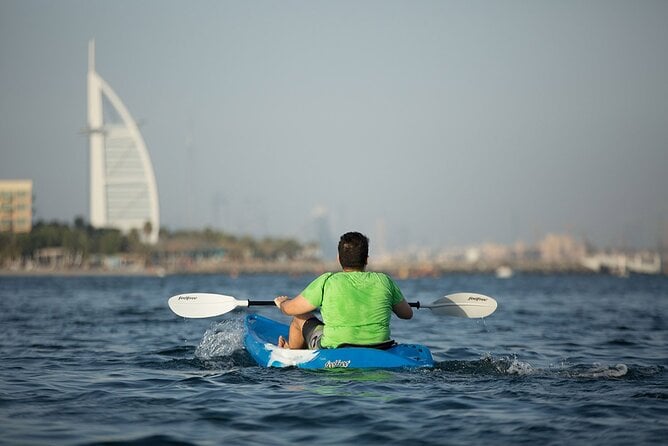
x=355, y=306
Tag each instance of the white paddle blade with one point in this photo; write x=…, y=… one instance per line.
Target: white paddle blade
x=470, y=305
x=201, y=305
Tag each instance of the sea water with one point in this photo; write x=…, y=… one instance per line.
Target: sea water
x=564, y=360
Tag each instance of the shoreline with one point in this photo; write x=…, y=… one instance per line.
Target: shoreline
x=403, y=270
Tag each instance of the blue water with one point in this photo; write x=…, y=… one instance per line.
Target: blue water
x=564, y=360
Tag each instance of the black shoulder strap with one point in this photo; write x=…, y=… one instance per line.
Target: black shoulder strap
x=325, y=283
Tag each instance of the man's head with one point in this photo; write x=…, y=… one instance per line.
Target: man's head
x=353, y=250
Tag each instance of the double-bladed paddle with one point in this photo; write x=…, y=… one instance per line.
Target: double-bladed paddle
x=201, y=305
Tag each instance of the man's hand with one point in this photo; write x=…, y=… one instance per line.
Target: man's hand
x=279, y=300
x=293, y=307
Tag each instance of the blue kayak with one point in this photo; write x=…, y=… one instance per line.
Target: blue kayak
x=262, y=334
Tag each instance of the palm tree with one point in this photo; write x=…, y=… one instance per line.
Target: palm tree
x=148, y=228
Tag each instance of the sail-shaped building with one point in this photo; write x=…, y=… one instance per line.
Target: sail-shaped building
x=123, y=191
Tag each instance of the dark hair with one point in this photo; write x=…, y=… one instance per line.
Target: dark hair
x=353, y=250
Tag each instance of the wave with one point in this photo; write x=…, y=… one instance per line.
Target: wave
x=165, y=440
x=488, y=365
x=513, y=367
x=596, y=370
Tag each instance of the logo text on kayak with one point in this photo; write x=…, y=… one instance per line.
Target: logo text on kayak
x=337, y=363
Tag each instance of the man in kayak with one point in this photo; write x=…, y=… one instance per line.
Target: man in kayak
x=355, y=305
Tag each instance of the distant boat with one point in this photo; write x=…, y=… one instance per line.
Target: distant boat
x=504, y=272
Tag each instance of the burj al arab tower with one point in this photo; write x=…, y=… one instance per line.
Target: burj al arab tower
x=123, y=192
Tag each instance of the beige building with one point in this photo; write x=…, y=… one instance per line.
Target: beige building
x=556, y=248
x=15, y=205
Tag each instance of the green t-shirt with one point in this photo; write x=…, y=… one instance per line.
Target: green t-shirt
x=355, y=306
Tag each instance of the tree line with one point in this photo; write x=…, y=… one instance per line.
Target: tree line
x=83, y=240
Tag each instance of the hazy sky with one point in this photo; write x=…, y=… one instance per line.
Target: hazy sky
x=446, y=123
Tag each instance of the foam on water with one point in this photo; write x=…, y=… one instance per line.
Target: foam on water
x=520, y=368
x=509, y=365
x=513, y=366
x=597, y=370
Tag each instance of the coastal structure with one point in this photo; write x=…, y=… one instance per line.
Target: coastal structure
x=623, y=264
x=123, y=191
x=15, y=206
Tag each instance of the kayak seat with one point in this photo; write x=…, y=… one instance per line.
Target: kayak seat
x=380, y=346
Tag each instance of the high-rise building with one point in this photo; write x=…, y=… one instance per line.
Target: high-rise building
x=123, y=191
x=15, y=206
x=323, y=233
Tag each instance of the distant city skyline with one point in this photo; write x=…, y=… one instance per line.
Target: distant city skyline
x=419, y=123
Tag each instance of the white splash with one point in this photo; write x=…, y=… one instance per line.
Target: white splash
x=509, y=365
x=519, y=368
x=221, y=340
x=285, y=357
